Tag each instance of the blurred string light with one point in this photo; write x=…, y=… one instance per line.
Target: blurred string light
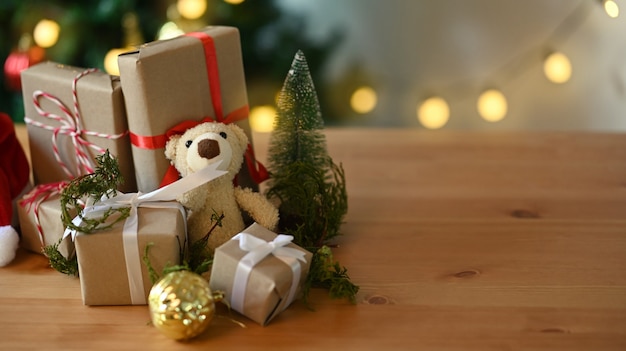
x=46, y=33
x=169, y=30
x=234, y=2
x=191, y=9
x=492, y=104
x=433, y=113
x=611, y=8
x=363, y=100
x=110, y=61
x=557, y=68
x=262, y=118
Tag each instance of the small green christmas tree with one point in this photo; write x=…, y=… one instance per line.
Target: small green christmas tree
x=308, y=185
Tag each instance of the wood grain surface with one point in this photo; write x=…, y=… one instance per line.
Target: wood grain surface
x=458, y=240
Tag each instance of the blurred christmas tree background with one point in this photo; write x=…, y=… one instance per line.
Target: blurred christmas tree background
x=82, y=33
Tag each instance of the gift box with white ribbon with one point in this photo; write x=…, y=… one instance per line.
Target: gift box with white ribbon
x=260, y=272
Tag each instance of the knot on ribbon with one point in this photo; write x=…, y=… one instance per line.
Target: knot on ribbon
x=258, y=248
x=70, y=125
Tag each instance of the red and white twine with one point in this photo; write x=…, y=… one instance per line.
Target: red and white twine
x=32, y=201
x=70, y=125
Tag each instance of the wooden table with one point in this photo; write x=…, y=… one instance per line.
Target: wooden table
x=459, y=241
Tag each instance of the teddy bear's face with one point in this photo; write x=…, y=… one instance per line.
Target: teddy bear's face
x=205, y=144
x=208, y=148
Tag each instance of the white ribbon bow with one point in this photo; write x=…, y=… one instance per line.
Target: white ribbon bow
x=160, y=198
x=258, y=249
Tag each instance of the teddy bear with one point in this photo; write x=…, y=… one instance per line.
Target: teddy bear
x=14, y=177
x=204, y=144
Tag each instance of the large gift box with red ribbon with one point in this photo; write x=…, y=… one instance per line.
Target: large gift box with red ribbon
x=72, y=115
x=197, y=77
x=39, y=213
x=260, y=272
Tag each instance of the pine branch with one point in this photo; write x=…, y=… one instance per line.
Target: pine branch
x=327, y=273
x=60, y=263
x=102, y=183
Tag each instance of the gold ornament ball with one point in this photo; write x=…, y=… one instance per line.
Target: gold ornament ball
x=182, y=305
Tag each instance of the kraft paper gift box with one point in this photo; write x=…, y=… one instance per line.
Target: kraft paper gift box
x=110, y=264
x=100, y=124
x=104, y=270
x=271, y=284
x=39, y=213
x=187, y=78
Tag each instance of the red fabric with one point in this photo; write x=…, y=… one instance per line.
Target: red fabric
x=14, y=168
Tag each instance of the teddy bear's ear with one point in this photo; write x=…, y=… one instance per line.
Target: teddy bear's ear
x=241, y=136
x=170, y=147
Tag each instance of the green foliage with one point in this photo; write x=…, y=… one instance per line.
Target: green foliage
x=312, y=203
x=327, y=273
x=64, y=265
x=93, y=187
x=309, y=186
x=90, y=187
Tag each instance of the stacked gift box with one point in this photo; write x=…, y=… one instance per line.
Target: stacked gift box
x=75, y=114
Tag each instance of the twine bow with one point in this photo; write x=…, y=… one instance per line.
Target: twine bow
x=257, y=250
x=70, y=124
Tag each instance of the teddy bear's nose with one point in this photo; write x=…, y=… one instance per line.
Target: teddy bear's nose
x=208, y=148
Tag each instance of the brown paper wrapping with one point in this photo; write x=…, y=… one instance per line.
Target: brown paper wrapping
x=269, y=282
x=50, y=221
x=101, y=262
x=165, y=82
x=102, y=110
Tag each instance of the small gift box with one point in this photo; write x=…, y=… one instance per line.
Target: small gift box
x=39, y=213
x=72, y=115
x=260, y=272
x=110, y=263
x=198, y=76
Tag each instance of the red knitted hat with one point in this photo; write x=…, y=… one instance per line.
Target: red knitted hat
x=14, y=168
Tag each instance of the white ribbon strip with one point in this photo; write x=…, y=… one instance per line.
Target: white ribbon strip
x=160, y=198
x=258, y=249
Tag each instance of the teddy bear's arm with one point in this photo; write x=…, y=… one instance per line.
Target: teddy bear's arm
x=259, y=207
x=194, y=199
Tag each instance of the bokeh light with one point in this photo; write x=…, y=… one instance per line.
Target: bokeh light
x=262, y=118
x=557, y=68
x=110, y=61
x=611, y=8
x=169, y=30
x=191, y=9
x=492, y=105
x=433, y=113
x=46, y=33
x=363, y=100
